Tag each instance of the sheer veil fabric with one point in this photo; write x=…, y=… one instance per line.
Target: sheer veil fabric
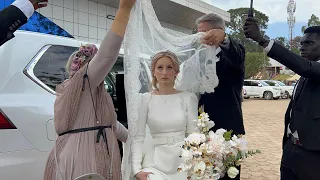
x=197, y=69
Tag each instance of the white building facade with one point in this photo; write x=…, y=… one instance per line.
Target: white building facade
x=90, y=20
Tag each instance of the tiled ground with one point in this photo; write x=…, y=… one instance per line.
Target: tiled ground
x=264, y=122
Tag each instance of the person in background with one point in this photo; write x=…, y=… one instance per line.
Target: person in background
x=224, y=105
x=84, y=115
x=301, y=139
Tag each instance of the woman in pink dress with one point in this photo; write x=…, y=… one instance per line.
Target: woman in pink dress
x=84, y=115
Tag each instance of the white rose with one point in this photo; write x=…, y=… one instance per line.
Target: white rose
x=186, y=154
x=194, y=138
x=232, y=172
x=220, y=132
x=240, y=143
x=201, y=166
x=211, y=124
x=204, y=115
x=185, y=167
x=203, y=138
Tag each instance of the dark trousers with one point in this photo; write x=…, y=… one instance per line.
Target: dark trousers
x=226, y=177
x=299, y=164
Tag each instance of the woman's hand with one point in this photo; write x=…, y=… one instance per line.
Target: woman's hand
x=126, y=4
x=120, y=22
x=142, y=175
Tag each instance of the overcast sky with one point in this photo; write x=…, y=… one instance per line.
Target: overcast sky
x=276, y=10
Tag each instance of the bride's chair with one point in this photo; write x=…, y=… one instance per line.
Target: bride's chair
x=90, y=176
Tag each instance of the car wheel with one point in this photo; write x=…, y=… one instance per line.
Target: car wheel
x=268, y=95
x=246, y=97
x=285, y=95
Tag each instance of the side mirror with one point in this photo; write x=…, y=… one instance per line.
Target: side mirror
x=259, y=85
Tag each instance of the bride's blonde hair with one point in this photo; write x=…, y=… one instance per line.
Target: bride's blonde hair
x=154, y=60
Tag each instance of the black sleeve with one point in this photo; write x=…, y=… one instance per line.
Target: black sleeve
x=234, y=53
x=296, y=63
x=11, y=19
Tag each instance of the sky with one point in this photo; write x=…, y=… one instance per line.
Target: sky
x=277, y=12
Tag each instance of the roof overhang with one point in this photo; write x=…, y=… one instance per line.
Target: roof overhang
x=182, y=13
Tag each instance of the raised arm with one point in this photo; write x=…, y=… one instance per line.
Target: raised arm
x=296, y=63
x=108, y=52
x=192, y=113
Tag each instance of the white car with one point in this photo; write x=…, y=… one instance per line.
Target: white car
x=260, y=89
x=32, y=64
x=286, y=91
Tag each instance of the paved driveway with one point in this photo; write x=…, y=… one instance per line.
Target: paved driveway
x=264, y=122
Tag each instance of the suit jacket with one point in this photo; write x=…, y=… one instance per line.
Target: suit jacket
x=224, y=105
x=305, y=105
x=11, y=19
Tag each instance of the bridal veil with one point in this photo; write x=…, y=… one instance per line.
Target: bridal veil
x=144, y=37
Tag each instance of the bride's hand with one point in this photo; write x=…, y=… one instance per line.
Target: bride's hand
x=127, y=4
x=142, y=175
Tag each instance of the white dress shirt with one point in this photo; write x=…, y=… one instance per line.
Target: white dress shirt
x=25, y=6
x=295, y=134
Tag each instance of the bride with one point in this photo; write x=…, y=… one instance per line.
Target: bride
x=152, y=152
x=169, y=114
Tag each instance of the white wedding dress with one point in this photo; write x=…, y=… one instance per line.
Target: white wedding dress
x=169, y=119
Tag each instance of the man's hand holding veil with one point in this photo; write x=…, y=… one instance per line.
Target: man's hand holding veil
x=214, y=37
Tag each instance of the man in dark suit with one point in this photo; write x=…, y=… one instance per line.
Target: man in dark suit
x=224, y=105
x=301, y=141
x=15, y=15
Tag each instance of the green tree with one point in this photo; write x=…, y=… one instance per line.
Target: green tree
x=283, y=41
x=254, y=63
x=286, y=43
x=296, y=44
x=237, y=19
x=313, y=21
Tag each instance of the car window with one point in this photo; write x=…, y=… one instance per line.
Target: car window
x=264, y=83
x=50, y=69
x=246, y=83
x=270, y=83
x=254, y=83
x=281, y=83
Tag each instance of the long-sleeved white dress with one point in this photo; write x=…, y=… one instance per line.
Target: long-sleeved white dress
x=169, y=119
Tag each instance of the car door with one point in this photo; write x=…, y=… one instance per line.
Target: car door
x=247, y=87
x=256, y=88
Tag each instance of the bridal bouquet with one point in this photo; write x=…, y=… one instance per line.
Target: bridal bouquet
x=208, y=155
